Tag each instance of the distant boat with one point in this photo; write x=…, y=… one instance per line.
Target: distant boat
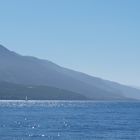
x=26, y=99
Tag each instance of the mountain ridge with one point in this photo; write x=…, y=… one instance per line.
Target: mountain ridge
x=21, y=69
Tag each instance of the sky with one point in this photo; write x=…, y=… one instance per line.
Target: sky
x=97, y=37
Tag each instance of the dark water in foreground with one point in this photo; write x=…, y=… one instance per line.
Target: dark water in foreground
x=56, y=120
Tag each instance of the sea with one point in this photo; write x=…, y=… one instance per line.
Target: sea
x=69, y=120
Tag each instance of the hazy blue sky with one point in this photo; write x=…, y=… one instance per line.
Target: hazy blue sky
x=98, y=37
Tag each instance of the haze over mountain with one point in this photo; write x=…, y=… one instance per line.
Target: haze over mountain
x=27, y=70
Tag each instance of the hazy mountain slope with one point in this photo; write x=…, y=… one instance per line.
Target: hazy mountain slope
x=106, y=85
x=29, y=70
x=12, y=91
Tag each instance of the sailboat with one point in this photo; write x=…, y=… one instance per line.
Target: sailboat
x=26, y=99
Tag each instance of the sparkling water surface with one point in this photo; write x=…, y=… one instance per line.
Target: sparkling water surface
x=62, y=120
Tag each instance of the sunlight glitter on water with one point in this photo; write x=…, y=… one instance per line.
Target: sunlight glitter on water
x=62, y=120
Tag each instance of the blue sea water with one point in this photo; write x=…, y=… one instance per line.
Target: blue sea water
x=62, y=120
